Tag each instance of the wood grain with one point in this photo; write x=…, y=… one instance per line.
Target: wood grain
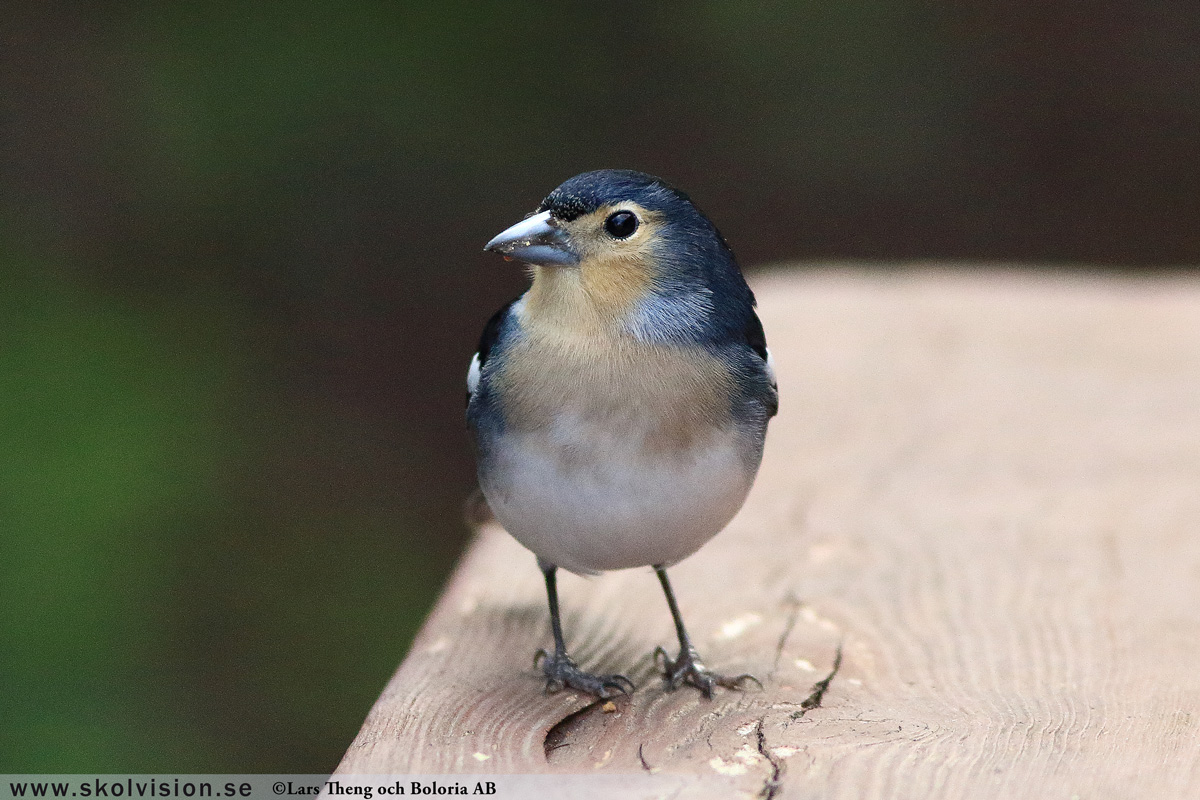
x=983, y=490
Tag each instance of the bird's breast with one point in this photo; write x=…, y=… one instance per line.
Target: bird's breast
x=614, y=454
x=650, y=399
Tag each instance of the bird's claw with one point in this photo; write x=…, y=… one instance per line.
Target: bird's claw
x=561, y=673
x=688, y=668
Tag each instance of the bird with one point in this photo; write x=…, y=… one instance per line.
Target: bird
x=619, y=407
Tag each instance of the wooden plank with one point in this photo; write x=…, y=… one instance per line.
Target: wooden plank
x=983, y=488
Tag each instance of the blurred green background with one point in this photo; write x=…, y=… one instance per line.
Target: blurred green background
x=241, y=277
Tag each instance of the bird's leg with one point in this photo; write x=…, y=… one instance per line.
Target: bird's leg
x=688, y=668
x=559, y=669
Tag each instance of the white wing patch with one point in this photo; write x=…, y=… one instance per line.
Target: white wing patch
x=770, y=368
x=473, y=375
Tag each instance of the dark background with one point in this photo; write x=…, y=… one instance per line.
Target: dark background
x=241, y=277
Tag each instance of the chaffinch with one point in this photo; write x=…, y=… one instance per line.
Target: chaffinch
x=618, y=407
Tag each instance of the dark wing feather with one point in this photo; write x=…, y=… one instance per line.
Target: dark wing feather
x=757, y=339
x=491, y=332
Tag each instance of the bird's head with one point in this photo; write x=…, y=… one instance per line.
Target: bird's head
x=625, y=247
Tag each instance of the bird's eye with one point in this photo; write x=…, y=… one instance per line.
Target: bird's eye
x=621, y=224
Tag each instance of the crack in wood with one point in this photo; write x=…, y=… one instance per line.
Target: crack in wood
x=556, y=736
x=819, y=689
x=774, y=780
x=794, y=603
x=642, y=759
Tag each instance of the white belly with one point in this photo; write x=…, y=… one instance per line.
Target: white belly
x=588, y=497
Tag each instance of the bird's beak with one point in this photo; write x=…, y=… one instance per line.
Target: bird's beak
x=537, y=240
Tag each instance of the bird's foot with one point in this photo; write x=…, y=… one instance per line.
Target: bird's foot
x=688, y=668
x=561, y=672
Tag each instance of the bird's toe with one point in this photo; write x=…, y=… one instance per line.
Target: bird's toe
x=687, y=668
x=562, y=673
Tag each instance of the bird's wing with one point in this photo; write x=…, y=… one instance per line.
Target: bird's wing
x=757, y=340
x=473, y=372
x=755, y=336
x=491, y=332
